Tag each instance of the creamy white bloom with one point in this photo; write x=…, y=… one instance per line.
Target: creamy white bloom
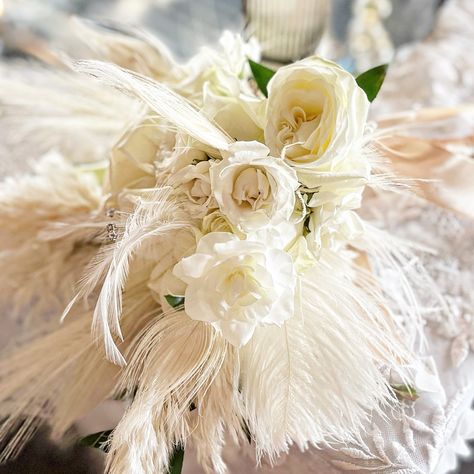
x=253, y=189
x=195, y=182
x=241, y=115
x=215, y=221
x=316, y=114
x=279, y=236
x=237, y=285
x=134, y=157
x=332, y=228
x=224, y=70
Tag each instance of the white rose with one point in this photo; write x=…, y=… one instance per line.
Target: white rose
x=224, y=70
x=332, y=228
x=316, y=114
x=215, y=221
x=253, y=189
x=279, y=236
x=237, y=285
x=195, y=182
x=241, y=116
x=134, y=157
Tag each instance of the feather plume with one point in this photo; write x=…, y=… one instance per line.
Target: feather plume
x=154, y=216
x=219, y=416
x=160, y=99
x=284, y=369
x=174, y=362
x=87, y=118
x=40, y=267
x=60, y=377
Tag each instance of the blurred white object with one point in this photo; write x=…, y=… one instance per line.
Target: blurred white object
x=369, y=41
x=436, y=72
x=287, y=31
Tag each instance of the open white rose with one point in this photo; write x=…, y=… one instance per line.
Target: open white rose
x=316, y=114
x=237, y=285
x=253, y=189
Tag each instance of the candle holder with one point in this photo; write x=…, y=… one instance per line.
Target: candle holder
x=287, y=31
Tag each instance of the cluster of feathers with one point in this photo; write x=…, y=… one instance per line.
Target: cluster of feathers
x=78, y=245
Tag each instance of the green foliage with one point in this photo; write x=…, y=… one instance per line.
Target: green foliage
x=176, y=302
x=405, y=392
x=176, y=461
x=371, y=81
x=262, y=75
x=99, y=440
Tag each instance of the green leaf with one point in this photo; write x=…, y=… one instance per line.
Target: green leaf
x=262, y=75
x=405, y=392
x=176, y=461
x=175, y=301
x=99, y=440
x=371, y=81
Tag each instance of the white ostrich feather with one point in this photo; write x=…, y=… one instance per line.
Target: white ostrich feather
x=284, y=369
x=173, y=364
x=39, y=268
x=218, y=416
x=60, y=377
x=154, y=216
x=160, y=99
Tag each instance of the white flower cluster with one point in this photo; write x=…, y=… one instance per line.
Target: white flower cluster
x=284, y=190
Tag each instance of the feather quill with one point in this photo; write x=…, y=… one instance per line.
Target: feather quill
x=161, y=99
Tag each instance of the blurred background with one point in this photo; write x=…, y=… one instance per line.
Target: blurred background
x=356, y=28
x=359, y=34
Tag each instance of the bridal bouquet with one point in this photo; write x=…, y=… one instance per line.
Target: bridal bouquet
x=225, y=284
